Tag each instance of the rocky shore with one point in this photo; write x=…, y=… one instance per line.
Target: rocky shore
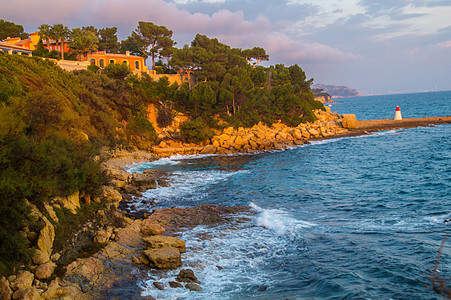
x=113, y=250
x=261, y=137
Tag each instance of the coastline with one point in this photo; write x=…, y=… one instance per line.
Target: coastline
x=102, y=274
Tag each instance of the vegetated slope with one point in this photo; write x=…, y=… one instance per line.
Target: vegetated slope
x=51, y=125
x=53, y=122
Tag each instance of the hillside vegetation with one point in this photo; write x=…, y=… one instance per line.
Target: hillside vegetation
x=53, y=123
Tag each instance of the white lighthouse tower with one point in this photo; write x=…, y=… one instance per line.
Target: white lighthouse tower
x=398, y=115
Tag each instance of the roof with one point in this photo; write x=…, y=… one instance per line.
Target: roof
x=103, y=53
x=21, y=42
x=8, y=46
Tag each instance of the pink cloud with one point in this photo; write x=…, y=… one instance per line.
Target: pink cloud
x=229, y=27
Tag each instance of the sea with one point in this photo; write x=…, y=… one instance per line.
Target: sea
x=344, y=218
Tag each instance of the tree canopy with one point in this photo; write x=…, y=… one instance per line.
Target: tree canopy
x=152, y=40
x=83, y=41
x=108, y=40
x=9, y=29
x=59, y=33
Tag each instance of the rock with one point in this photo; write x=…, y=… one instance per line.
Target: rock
x=110, y=194
x=32, y=236
x=31, y=294
x=87, y=199
x=228, y=130
x=193, y=287
x=209, y=149
x=45, y=271
x=143, y=259
x=23, y=281
x=349, y=121
x=159, y=285
x=71, y=202
x=54, y=291
x=51, y=212
x=136, y=260
x=175, y=284
x=103, y=236
x=46, y=237
x=164, y=258
x=313, y=132
x=5, y=291
x=151, y=229
x=158, y=241
x=40, y=257
x=187, y=275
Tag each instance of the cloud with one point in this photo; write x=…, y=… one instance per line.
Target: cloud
x=446, y=44
x=411, y=20
x=230, y=27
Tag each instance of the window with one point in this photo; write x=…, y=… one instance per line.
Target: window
x=137, y=65
x=112, y=61
x=101, y=63
x=124, y=62
x=93, y=62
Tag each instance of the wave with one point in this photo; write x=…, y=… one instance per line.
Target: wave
x=279, y=221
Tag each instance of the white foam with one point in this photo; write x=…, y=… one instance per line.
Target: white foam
x=241, y=250
x=191, y=186
x=279, y=221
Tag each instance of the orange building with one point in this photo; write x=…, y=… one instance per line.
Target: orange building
x=30, y=43
x=103, y=59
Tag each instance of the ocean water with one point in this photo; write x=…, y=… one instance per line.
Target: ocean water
x=348, y=218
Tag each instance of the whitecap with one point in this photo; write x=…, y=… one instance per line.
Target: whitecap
x=279, y=221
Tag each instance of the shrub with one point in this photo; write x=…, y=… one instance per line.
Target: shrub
x=195, y=131
x=117, y=71
x=93, y=68
x=164, y=116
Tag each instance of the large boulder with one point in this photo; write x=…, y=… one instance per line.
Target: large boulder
x=164, y=258
x=54, y=291
x=209, y=149
x=23, y=281
x=103, y=235
x=31, y=294
x=349, y=121
x=71, y=202
x=110, y=194
x=194, y=287
x=46, y=237
x=5, y=291
x=149, y=228
x=158, y=241
x=40, y=257
x=187, y=275
x=45, y=271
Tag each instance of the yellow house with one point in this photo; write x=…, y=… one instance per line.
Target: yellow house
x=103, y=59
x=30, y=43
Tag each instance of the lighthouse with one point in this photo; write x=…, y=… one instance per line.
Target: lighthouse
x=398, y=115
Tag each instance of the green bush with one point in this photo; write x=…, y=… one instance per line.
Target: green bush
x=93, y=68
x=195, y=131
x=117, y=71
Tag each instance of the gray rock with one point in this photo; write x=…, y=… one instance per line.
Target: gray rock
x=187, y=275
x=193, y=287
x=159, y=285
x=175, y=284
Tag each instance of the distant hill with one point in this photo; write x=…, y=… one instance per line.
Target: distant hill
x=337, y=91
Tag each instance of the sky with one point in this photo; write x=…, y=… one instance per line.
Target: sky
x=374, y=46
